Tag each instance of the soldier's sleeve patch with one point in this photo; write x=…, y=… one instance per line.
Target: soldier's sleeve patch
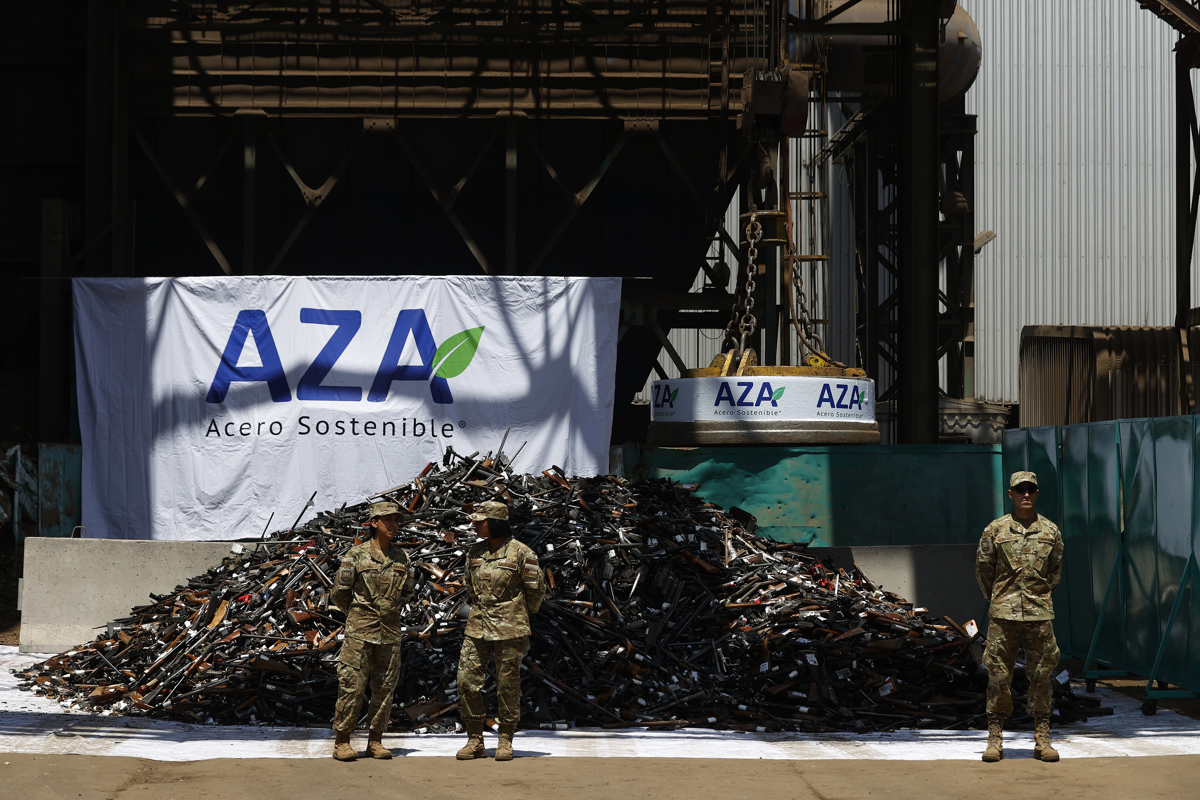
x=531, y=571
x=985, y=545
x=1058, y=547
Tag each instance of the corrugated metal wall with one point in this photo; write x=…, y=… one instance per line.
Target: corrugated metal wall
x=1073, y=374
x=1075, y=173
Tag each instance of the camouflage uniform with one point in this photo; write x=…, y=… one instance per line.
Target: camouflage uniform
x=371, y=588
x=504, y=588
x=1017, y=569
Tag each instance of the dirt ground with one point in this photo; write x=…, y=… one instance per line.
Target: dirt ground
x=10, y=569
x=36, y=777
x=10, y=626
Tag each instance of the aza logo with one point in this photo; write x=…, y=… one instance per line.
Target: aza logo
x=437, y=363
x=664, y=396
x=855, y=400
x=747, y=396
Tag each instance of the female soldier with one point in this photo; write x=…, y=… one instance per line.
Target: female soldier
x=373, y=584
x=504, y=585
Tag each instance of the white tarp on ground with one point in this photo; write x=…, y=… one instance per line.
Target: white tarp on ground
x=206, y=404
x=32, y=724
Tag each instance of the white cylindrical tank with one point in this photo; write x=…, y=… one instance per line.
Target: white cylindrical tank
x=863, y=64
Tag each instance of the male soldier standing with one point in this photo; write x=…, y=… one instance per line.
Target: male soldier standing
x=504, y=585
x=373, y=584
x=1018, y=565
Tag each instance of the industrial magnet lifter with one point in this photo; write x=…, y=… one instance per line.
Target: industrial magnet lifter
x=734, y=401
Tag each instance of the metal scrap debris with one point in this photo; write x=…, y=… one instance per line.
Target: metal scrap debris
x=665, y=611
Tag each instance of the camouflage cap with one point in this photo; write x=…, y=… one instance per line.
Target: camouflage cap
x=490, y=510
x=383, y=509
x=1017, y=478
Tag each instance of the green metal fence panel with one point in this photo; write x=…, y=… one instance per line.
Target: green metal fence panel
x=1078, y=618
x=848, y=496
x=1174, y=482
x=1139, y=515
x=1126, y=495
x=1105, y=543
x=1091, y=528
x=1193, y=587
x=1037, y=450
x=1192, y=598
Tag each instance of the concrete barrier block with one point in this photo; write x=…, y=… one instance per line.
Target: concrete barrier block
x=940, y=577
x=73, y=586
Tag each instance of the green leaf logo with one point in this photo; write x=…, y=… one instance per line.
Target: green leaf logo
x=778, y=393
x=674, y=394
x=454, y=355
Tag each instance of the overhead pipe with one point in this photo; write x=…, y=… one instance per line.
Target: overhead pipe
x=862, y=63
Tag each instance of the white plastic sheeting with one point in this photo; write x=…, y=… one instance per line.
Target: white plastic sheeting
x=32, y=724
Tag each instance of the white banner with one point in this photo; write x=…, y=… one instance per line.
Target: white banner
x=206, y=404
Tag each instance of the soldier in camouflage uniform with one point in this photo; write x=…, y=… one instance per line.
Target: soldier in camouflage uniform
x=1018, y=565
x=373, y=584
x=505, y=585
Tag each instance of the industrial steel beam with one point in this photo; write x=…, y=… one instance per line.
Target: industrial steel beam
x=53, y=339
x=1187, y=200
x=1187, y=186
x=919, y=222
x=184, y=199
x=957, y=249
x=1181, y=15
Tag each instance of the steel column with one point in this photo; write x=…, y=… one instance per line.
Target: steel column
x=919, y=223
x=957, y=252
x=966, y=175
x=52, y=322
x=510, y=195
x=1187, y=185
x=1187, y=199
x=249, y=201
x=122, y=211
x=98, y=158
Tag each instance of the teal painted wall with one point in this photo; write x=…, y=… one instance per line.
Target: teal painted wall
x=843, y=496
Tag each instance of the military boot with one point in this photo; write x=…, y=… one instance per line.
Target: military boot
x=1042, y=750
x=995, y=747
x=474, y=747
x=375, y=748
x=342, y=749
x=504, y=748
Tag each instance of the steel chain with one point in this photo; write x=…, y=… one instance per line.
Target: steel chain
x=801, y=318
x=747, y=324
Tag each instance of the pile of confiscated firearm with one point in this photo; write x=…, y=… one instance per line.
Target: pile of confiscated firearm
x=664, y=611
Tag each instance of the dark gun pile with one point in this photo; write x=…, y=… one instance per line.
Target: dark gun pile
x=664, y=611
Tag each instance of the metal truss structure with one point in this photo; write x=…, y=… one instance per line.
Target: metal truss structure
x=525, y=137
